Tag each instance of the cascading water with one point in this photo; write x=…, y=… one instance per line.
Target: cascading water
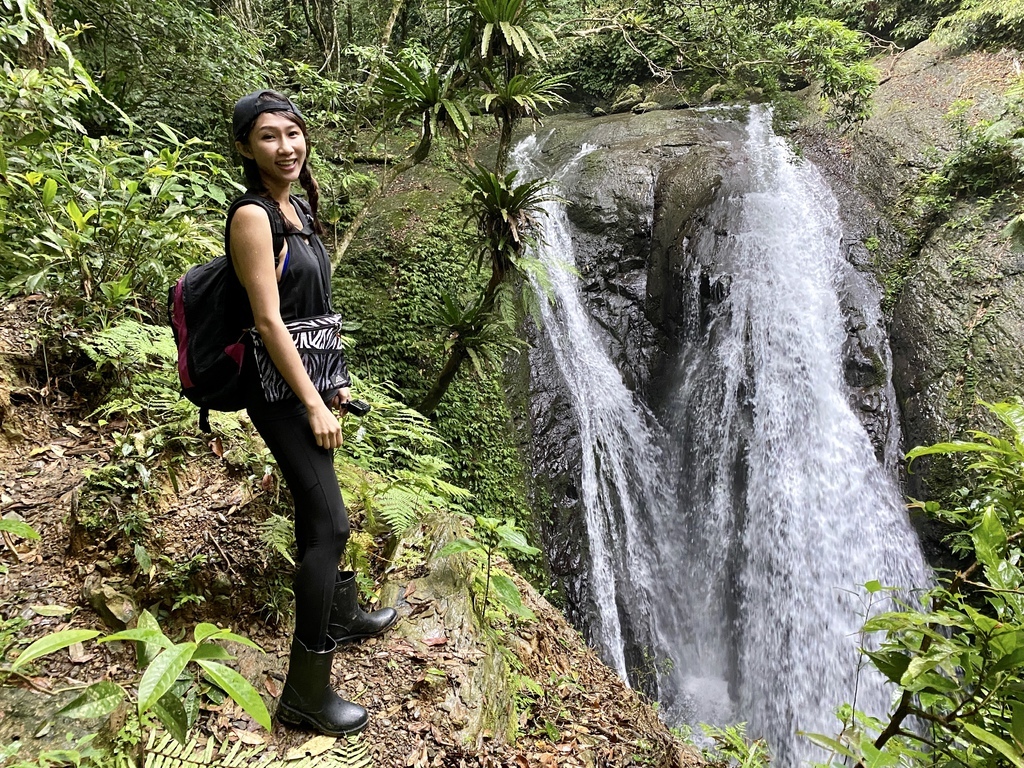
x=731, y=543
x=621, y=474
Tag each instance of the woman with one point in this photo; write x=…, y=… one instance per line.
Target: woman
x=301, y=431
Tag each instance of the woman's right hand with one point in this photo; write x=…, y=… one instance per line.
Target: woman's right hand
x=325, y=425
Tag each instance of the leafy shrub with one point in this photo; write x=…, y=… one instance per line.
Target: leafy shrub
x=984, y=24
x=170, y=61
x=103, y=223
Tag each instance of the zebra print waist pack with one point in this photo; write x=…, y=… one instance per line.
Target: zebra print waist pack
x=318, y=341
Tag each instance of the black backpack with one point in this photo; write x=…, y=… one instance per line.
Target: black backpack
x=209, y=313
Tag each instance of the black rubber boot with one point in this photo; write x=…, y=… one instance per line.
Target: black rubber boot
x=309, y=700
x=350, y=622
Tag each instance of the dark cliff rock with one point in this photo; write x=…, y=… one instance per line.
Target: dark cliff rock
x=954, y=288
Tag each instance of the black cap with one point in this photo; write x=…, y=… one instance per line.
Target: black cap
x=249, y=107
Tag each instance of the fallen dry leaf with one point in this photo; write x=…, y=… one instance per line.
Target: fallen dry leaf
x=217, y=446
x=77, y=653
x=248, y=737
x=438, y=640
x=410, y=588
x=418, y=757
x=315, y=746
x=271, y=685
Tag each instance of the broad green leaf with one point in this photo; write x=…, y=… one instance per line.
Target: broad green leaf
x=506, y=591
x=1017, y=727
x=892, y=664
x=1011, y=414
x=18, y=528
x=143, y=559
x=1012, y=661
x=98, y=700
x=1007, y=750
x=956, y=446
x=239, y=689
x=934, y=682
x=515, y=539
x=49, y=192
x=459, y=545
x=873, y=586
x=145, y=635
x=232, y=637
x=76, y=215
x=162, y=672
x=989, y=538
x=145, y=652
x=33, y=139
x=3, y=161
x=209, y=632
x=51, y=643
x=204, y=630
x=830, y=743
x=212, y=651
x=171, y=712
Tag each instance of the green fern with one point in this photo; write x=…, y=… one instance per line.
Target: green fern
x=277, y=532
x=135, y=362
x=169, y=753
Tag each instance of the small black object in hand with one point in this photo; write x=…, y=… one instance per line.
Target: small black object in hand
x=357, y=407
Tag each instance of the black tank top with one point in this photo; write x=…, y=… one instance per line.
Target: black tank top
x=305, y=291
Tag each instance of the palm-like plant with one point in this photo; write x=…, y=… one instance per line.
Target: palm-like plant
x=418, y=90
x=519, y=25
x=510, y=99
x=503, y=212
x=414, y=89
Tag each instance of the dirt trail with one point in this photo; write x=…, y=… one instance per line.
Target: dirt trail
x=584, y=716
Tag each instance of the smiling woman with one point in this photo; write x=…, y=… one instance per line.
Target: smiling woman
x=290, y=285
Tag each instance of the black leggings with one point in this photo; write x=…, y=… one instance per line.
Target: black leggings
x=321, y=524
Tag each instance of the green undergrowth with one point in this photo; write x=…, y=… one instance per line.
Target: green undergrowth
x=390, y=290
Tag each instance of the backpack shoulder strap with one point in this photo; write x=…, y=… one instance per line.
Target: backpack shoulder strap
x=276, y=221
x=303, y=204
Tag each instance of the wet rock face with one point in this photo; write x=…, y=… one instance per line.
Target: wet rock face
x=957, y=314
x=629, y=203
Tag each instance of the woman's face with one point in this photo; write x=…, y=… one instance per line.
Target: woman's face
x=278, y=147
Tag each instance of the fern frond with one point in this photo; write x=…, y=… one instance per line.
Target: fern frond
x=168, y=753
x=400, y=508
x=278, y=534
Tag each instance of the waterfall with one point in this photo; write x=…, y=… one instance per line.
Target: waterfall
x=732, y=539
x=622, y=476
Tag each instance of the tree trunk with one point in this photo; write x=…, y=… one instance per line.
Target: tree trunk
x=321, y=18
x=458, y=354
x=385, y=41
x=35, y=53
x=451, y=367
x=504, y=145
